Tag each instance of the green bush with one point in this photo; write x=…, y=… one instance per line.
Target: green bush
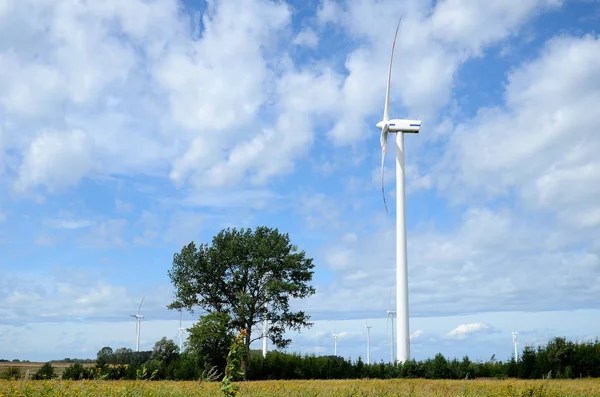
x=11, y=373
x=46, y=372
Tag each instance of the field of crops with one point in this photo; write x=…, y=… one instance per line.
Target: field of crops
x=337, y=388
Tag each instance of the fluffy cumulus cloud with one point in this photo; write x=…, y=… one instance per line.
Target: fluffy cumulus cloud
x=141, y=125
x=433, y=44
x=540, y=142
x=464, y=330
x=56, y=160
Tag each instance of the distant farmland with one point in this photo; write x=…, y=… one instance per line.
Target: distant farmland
x=33, y=367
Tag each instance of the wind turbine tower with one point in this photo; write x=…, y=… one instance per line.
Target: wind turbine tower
x=138, y=321
x=368, y=327
x=265, y=327
x=181, y=331
x=335, y=338
x=515, y=343
x=400, y=127
x=390, y=315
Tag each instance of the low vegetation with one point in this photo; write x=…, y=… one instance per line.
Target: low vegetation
x=299, y=388
x=559, y=359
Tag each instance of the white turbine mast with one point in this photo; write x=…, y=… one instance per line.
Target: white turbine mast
x=180, y=332
x=390, y=325
x=335, y=338
x=515, y=343
x=138, y=320
x=265, y=280
x=265, y=329
x=398, y=126
x=368, y=327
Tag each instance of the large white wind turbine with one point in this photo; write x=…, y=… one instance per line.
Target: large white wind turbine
x=390, y=323
x=398, y=126
x=138, y=320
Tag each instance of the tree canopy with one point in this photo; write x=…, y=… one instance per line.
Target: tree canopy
x=240, y=272
x=210, y=338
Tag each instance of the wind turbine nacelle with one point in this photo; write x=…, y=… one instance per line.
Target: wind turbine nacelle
x=402, y=125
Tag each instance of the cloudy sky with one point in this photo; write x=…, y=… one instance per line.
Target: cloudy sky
x=128, y=129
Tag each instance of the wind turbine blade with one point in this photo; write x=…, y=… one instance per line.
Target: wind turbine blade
x=139, y=308
x=386, y=109
x=383, y=139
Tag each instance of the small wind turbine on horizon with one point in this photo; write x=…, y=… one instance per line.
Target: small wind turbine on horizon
x=138, y=319
x=368, y=327
x=398, y=126
x=390, y=323
x=335, y=338
x=515, y=343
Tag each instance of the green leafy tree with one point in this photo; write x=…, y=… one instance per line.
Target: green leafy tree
x=210, y=338
x=103, y=358
x=238, y=274
x=105, y=352
x=165, y=350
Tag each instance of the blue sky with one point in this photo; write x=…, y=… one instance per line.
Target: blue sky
x=128, y=129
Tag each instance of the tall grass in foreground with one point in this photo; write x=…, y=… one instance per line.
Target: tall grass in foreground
x=305, y=388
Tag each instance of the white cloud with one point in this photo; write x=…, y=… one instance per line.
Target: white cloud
x=438, y=40
x=547, y=150
x=491, y=262
x=69, y=223
x=106, y=234
x=157, y=99
x=57, y=160
x=464, y=330
x=327, y=11
x=307, y=37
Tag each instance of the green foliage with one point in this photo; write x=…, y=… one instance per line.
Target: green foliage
x=45, y=372
x=559, y=358
x=233, y=371
x=164, y=350
x=210, y=375
x=125, y=356
x=105, y=352
x=77, y=371
x=240, y=272
x=10, y=373
x=210, y=338
x=149, y=371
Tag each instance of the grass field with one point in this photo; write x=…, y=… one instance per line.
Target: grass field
x=328, y=388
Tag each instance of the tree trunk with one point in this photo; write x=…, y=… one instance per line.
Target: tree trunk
x=245, y=356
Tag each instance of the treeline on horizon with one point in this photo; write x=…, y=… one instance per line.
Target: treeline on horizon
x=560, y=359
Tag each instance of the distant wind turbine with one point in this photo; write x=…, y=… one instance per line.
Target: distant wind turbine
x=390, y=322
x=180, y=332
x=138, y=320
x=368, y=327
x=515, y=343
x=335, y=338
